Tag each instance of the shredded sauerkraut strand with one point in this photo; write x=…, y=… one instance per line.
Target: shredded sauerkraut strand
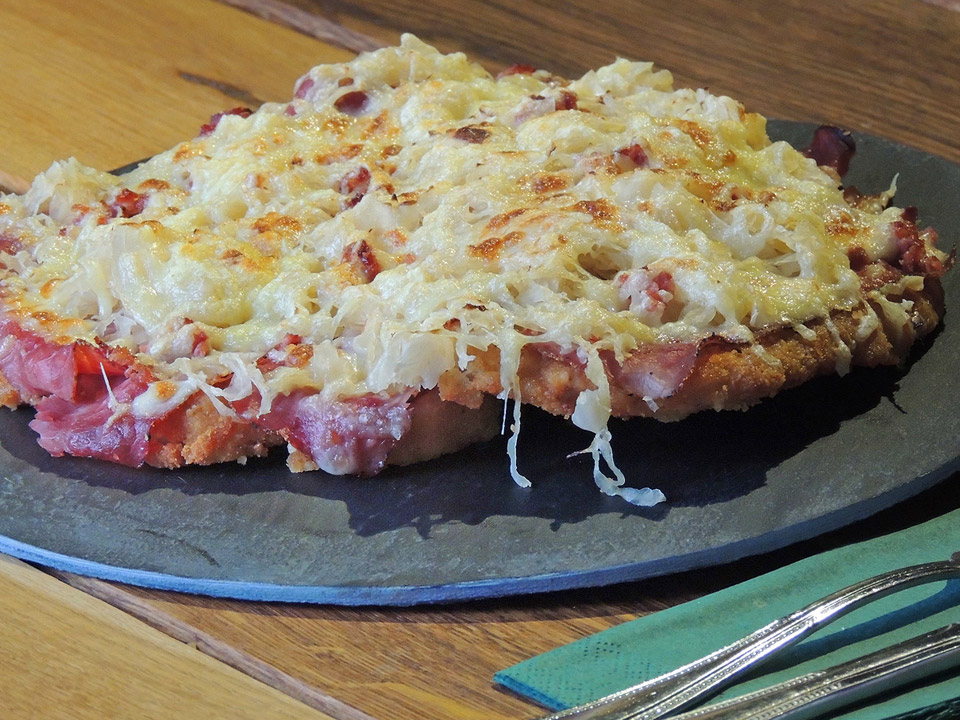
x=515, y=473
x=118, y=408
x=510, y=381
x=601, y=448
x=592, y=413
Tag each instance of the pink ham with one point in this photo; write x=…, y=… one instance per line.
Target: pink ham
x=210, y=126
x=66, y=385
x=76, y=415
x=650, y=371
x=94, y=428
x=832, y=147
x=10, y=244
x=653, y=371
x=36, y=367
x=349, y=436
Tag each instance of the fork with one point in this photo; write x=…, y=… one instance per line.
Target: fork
x=816, y=693
x=695, y=681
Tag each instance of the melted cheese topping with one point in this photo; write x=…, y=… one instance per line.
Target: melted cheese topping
x=523, y=207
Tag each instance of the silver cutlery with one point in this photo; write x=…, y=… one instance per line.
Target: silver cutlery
x=694, y=682
x=817, y=693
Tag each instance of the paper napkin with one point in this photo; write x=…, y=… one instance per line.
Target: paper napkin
x=654, y=644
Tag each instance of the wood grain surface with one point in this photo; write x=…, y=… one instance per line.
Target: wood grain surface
x=68, y=655
x=111, y=82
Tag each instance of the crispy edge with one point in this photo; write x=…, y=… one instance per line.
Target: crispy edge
x=196, y=434
x=725, y=376
x=9, y=397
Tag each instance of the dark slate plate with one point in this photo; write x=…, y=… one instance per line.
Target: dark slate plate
x=809, y=461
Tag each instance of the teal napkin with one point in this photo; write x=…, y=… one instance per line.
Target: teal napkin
x=654, y=644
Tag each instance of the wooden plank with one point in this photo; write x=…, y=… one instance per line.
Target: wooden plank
x=122, y=599
x=68, y=655
x=307, y=22
x=425, y=663
x=111, y=82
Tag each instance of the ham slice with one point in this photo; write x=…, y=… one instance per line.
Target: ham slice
x=832, y=147
x=78, y=415
x=66, y=383
x=361, y=435
x=653, y=371
x=349, y=436
x=35, y=367
x=100, y=428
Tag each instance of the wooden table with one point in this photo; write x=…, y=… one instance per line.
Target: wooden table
x=111, y=82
